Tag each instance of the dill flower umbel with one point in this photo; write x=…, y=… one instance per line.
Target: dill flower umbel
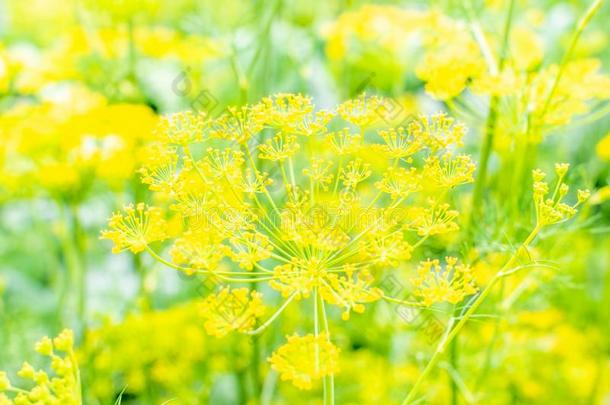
x=292, y=197
x=165, y=348
x=551, y=209
x=229, y=310
x=135, y=229
x=63, y=146
x=303, y=359
x=62, y=386
x=450, y=283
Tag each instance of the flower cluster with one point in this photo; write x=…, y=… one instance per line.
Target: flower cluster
x=293, y=197
x=550, y=209
x=449, y=283
x=536, y=96
x=64, y=145
x=62, y=387
x=306, y=358
x=165, y=348
x=229, y=310
x=136, y=228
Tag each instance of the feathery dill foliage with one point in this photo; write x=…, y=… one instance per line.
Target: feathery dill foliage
x=316, y=203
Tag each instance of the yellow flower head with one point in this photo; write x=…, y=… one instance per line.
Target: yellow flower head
x=61, y=386
x=136, y=228
x=550, y=207
x=183, y=128
x=450, y=283
x=280, y=193
x=603, y=148
x=232, y=309
x=305, y=359
x=363, y=111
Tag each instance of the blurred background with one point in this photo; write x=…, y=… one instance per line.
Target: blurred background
x=82, y=86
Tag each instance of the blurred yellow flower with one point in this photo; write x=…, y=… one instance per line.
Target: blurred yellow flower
x=305, y=359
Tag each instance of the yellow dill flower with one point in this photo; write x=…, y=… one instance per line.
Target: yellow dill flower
x=434, y=220
x=355, y=172
x=255, y=182
x=344, y=142
x=313, y=123
x=438, y=131
x=401, y=143
x=148, y=348
x=225, y=164
x=385, y=249
x=198, y=249
x=450, y=283
x=603, y=148
x=4, y=381
x=313, y=213
x=279, y=148
x=363, y=111
x=319, y=173
x=62, y=386
x=232, y=309
x=399, y=183
x=285, y=109
x=448, y=171
x=350, y=291
x=239, y=124
x=160, y=171
x=305, y=359
x=526, y=48
x=135, y=228
x=447, y=66
x=375, y=38
x=299, y=278
x=580, y=83
x=250, y=248
x=183, y=128
x=551, y=209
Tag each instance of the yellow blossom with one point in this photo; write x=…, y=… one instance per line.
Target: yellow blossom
x=305, y=359
x=232, y=309
x=450, y=283
x=136, y=228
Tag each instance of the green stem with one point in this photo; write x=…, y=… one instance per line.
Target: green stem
x=73, y=249
x=490, y=127
x=255, y=360
x=580, y=27
x=480, y=181
x=329, y=381
x=144, y=294
x=453, y=331
x=453, y=361
x=273, y=317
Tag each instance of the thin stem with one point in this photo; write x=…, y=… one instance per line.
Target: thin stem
x=273, y=317
x=580, y=27
x=329, y=381
x=255, y=358
x=490, y=127
x=79, y=388
x=453, y=331
x=268, y=388
x=401, y=302
x=188, y=270
x=316, y=327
